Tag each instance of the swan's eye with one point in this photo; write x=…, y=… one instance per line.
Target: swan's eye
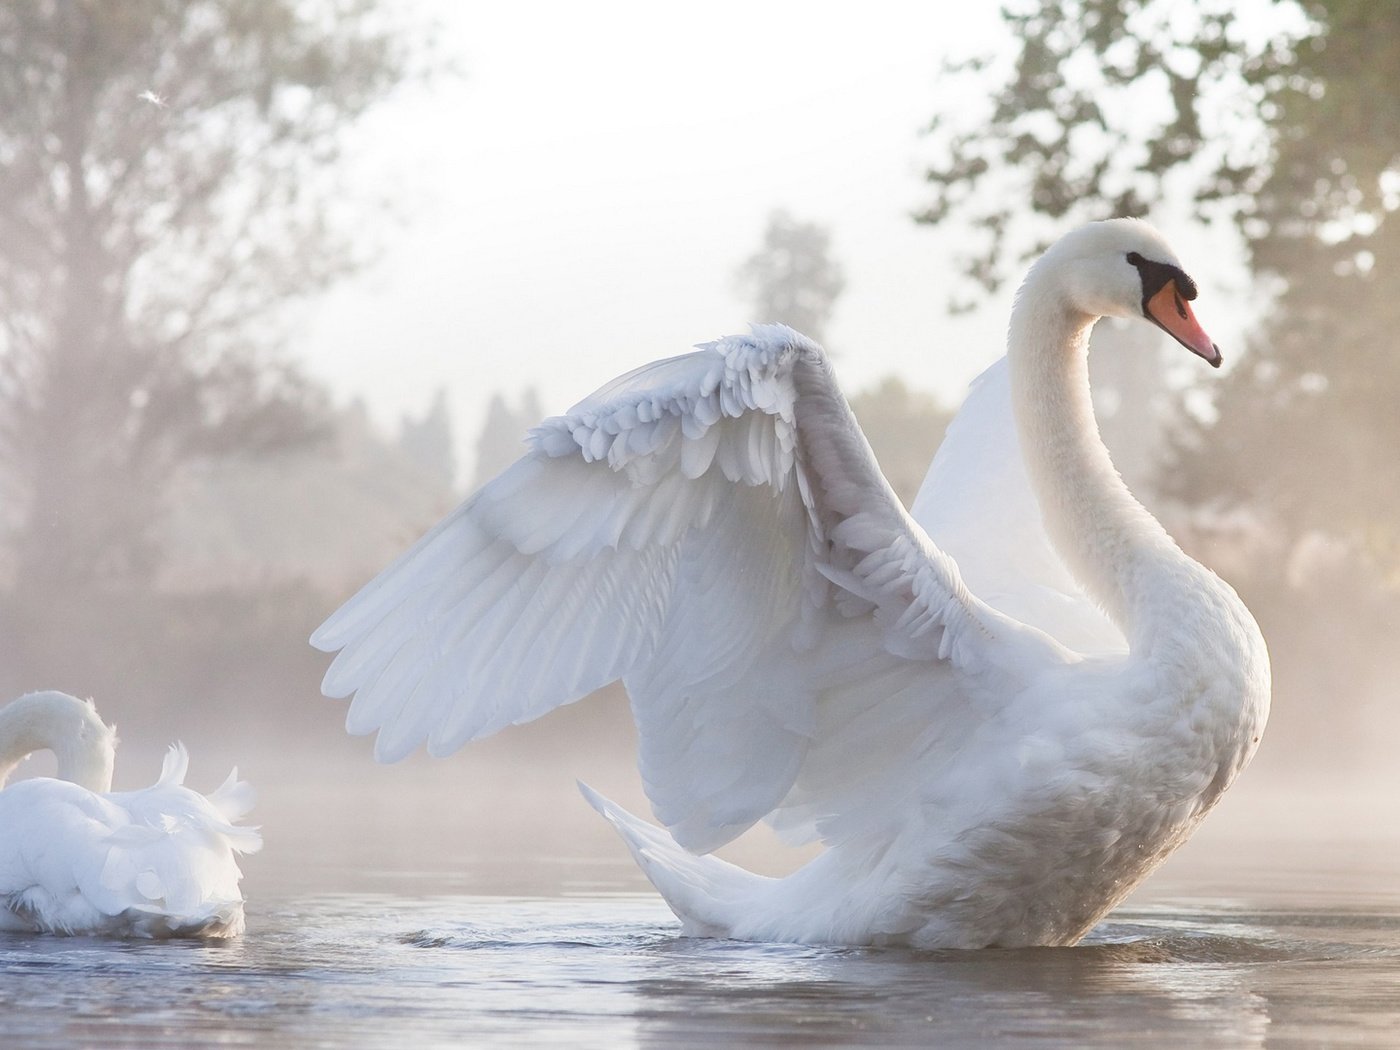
x=1185, y=287
x=1158, y=275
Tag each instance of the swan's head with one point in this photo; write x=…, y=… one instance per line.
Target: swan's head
x=84, y=745
x=1125, y=268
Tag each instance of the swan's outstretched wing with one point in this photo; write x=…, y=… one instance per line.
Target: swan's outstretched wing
x=977, y=505
x=695, y=528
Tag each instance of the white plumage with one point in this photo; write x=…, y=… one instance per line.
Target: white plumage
x=79, y=858
x=998, y=714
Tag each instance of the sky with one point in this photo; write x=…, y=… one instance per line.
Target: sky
x=578, y=201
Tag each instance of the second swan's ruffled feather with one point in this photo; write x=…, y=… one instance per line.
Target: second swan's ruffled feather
x=156, y=862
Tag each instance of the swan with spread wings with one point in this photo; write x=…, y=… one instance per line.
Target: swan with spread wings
x=998, y=713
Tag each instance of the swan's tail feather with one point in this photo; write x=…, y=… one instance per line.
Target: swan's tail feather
x=707, y=894
x=174, y=767
x=233, y=798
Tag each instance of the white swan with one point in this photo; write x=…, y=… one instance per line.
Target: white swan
x=79, y=858
x=999, y=714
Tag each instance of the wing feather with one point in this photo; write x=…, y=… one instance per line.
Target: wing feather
x=698, y=528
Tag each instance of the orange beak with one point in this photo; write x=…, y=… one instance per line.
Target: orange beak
x=1169, y=311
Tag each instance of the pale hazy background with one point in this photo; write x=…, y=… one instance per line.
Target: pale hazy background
x=577, y=202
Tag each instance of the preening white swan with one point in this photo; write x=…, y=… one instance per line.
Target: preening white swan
x=79, y=858
x=999, y=714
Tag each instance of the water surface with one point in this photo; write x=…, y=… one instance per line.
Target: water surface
x=479, y=904
x=426, y=966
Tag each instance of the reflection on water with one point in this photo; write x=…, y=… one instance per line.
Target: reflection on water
x=420, y=968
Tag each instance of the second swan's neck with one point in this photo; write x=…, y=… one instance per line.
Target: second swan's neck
x=51, y=721
x=1109, y=541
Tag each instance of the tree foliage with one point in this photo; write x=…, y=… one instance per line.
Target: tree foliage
x=792, y=279
x=1278, y=118
x=1108, y=105
x=428, y=440
x=502, y=438
x=904, y=428
x=169, y=181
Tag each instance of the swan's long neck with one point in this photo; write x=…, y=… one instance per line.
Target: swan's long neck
x=1109, y=541
x=50, y=721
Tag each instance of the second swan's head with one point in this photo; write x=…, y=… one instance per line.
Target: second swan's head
x=1125, y=268
x=84, y=745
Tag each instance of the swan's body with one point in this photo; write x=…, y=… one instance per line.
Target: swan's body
x=999, y=715
x=79, y=858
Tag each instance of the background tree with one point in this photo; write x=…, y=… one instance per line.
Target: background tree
x=792, y=279
x=428, y=440
x=1289, y=131
x=905, y=428
x=1310, y=411
x=502, y=438
x=168, y=183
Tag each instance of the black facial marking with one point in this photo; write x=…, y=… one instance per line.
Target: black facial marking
x=1156, y=275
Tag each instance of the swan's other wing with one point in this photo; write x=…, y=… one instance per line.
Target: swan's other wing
x=694, y=528
x=977, y=505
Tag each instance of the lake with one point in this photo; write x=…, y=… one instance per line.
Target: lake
x=430, y=969
x=390, y=920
